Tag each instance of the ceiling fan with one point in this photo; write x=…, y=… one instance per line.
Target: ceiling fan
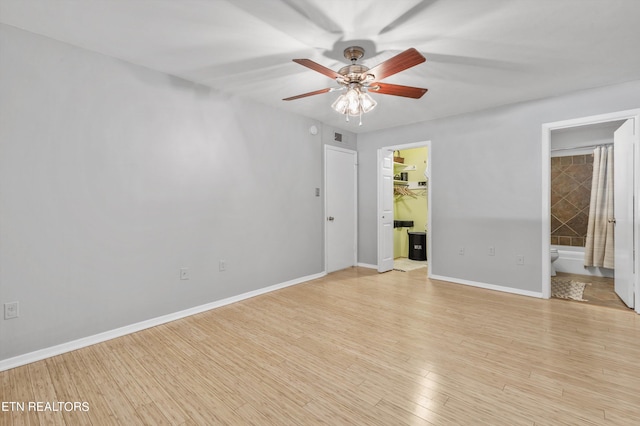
x=358, y=80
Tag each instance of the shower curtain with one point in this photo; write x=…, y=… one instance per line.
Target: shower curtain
x=600, y=229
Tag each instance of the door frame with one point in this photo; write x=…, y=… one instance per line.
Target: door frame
x=546, y=191
x=355, y=204
x=421, y=144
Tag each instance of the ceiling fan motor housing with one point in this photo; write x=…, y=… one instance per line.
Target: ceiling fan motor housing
x=353, y=73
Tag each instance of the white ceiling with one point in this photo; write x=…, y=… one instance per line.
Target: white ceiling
x=480, y=53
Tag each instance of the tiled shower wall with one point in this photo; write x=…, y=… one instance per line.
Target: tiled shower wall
x=570, y=197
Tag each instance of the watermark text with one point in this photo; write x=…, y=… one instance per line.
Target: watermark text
x=41, y=406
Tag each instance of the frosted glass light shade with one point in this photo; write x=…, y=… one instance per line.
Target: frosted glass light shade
x=353, y=99
x=340, y=105
x=366, y=102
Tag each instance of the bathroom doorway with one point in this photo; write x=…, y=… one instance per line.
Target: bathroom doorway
x=403, y=207
x=567, y=146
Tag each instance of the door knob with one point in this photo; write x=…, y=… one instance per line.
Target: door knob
x=612, y=220
x=330, y=218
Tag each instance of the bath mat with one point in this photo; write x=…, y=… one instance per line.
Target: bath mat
x=566, y=288
x=403, y=264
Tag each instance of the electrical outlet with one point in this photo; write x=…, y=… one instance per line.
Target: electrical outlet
x=461, y=251
x=184, y=273
x=222, y=265
x=317, y=192
x=492, y=251
x=10, y=310
x=520, y=259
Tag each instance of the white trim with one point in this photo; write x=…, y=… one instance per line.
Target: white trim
x=546, y=212
x=546, y=189
x=489, y=286
x=421, y=144
x=429, y=210
x=355, y=204
x=41, y=354
x=593, y=119
x=367, y=265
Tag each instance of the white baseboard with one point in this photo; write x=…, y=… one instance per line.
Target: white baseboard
x=367, y=265
x=41, y=354
x=489, y=286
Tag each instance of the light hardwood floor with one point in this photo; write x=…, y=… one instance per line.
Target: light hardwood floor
x=354, y=348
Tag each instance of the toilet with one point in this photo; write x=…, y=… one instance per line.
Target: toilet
x=554, y=257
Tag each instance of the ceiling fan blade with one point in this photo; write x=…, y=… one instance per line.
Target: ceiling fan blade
x=304, y=95
x=400, y=62
x=319, y=68
x=397, y=90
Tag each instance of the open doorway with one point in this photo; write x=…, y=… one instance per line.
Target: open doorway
x=410, y=209
x=403, y=207
x=568, y=148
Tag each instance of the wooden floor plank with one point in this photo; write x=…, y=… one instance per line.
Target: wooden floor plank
x=20, y=394
x=42, y=385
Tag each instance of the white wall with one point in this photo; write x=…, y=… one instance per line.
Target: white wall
x=486, y=184
x=113, y=177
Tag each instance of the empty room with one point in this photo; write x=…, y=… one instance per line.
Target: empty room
x=296, y=212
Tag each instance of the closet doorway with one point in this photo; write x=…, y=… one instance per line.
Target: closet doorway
x=570, y=141
x=404, y=216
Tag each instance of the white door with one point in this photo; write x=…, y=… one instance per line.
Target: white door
x=340, y=208
x=623, y=210
x=385, y=210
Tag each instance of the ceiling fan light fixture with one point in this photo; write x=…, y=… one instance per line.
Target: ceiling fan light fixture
x=354, y=103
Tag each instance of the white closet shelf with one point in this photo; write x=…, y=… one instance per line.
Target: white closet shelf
x=405, y=167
